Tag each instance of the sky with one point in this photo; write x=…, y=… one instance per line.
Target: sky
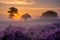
x=34, y=7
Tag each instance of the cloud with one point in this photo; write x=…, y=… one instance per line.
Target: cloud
x=47, y=3
x=17, y=2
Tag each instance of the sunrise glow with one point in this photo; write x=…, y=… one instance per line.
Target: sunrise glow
x=16, y=17
x=17, y=2
x=33, y=7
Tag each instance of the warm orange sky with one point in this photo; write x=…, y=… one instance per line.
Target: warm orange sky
x=34, y=7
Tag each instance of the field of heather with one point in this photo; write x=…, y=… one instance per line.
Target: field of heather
x=31, y=30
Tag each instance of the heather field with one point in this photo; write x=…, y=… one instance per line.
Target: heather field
x=30, y=30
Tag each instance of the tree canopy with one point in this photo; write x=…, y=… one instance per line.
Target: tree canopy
x=49, y=14
x=25, y=16
x=12, y=11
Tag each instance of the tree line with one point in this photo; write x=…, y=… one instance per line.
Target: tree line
x=13, y=10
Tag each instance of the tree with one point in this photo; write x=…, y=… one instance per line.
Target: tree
x=25, y=16
x=49, y=14
x=12, y=11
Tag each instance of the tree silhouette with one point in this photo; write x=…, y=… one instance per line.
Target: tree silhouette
x=12, y=11
x=25, y=16
x=49, y=14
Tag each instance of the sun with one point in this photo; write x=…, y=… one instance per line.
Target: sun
x=16, y=17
